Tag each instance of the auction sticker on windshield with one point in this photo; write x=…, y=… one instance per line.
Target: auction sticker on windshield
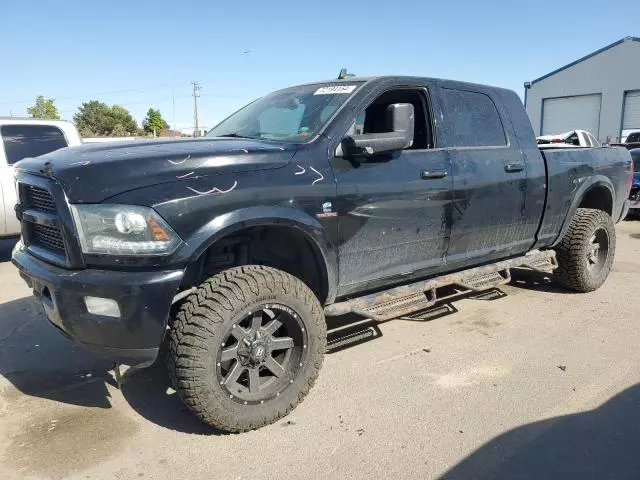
x=335, y=89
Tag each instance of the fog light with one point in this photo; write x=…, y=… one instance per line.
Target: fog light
x=102, y=306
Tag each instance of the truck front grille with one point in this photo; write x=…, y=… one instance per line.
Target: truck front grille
x=42, y=228
x=39, y=199
x=48, y=237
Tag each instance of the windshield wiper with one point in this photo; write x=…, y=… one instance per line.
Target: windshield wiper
x=233, y=135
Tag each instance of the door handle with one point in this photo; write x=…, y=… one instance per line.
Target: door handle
x=514, y=167
x=432, y=174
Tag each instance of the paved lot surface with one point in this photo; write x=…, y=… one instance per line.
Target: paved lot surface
x=537, y=383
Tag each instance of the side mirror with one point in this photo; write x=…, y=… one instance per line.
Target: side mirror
x=399, y=135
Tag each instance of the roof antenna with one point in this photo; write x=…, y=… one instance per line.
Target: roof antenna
x=343, y=74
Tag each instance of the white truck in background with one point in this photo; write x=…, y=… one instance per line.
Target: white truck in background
x=574, y=138
x=21, y=138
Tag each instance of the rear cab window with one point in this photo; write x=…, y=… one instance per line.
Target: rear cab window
x=22, y=141
x=473, y=119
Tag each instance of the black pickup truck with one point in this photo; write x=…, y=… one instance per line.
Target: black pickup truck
x=360, y=196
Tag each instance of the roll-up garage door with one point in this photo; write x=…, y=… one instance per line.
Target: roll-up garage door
x=571, y=113
x=631, y=116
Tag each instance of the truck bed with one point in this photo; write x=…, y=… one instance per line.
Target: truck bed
x=572, y=171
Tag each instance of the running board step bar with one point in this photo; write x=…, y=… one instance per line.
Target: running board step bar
x=406, y=299
x=485, y=281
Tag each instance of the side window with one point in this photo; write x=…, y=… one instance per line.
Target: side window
x=374, y=119
x=473, y=119
x=22, y=141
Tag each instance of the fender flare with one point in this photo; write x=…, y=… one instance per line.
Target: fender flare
x=236, y=220
x=589, y=184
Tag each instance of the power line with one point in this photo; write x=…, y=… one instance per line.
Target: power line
x=111, y=92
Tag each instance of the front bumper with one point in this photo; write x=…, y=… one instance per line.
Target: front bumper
x=144, y=299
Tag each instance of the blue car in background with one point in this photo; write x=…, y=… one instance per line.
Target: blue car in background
x=634, y=195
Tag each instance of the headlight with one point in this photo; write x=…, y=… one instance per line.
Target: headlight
x=123, y=230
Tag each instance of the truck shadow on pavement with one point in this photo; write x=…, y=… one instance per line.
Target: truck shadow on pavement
x=149, y=393
x=597, y=444
x=40, y=362
x=532, y=280
x=6, y=246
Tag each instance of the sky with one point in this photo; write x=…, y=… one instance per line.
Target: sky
x=142, y=54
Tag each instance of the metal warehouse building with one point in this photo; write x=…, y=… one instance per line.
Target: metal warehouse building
x=599, y=93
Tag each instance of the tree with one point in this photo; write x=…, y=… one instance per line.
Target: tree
x=92, y=117
x=154, y=123
x=44, y=108
x=119, y=131
x=86, y=132
x=121, y=116
x=102, y=120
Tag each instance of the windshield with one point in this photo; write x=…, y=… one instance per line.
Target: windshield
x=295, y=114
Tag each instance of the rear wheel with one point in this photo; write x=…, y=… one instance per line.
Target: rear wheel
x=246, y=347
x=585, y=254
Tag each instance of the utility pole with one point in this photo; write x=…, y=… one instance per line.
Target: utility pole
x=173, y=107
x=196, y=94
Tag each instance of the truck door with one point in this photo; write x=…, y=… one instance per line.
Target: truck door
x=490, y=220
x=392, y=208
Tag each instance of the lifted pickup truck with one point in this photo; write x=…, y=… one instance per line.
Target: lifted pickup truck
x=360, y=195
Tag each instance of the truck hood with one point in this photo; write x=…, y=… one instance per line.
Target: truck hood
x=92, y=173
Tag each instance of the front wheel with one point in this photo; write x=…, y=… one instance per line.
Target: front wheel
x=246, y=347
x=585, y=254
